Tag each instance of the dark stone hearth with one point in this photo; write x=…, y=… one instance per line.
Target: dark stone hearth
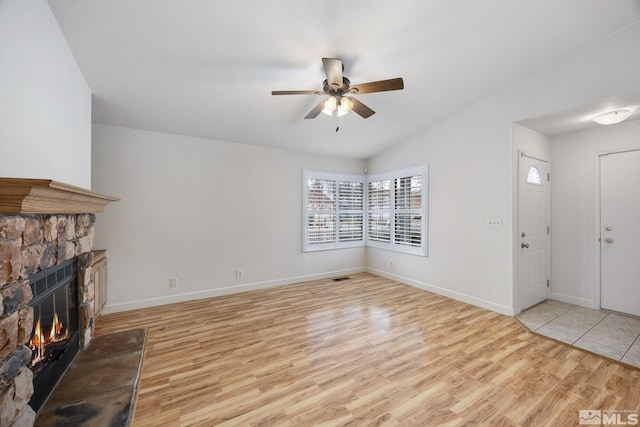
x=109, y=410
x=113, y=345
x=76, y=414
x=87, y=379
x=99, y=386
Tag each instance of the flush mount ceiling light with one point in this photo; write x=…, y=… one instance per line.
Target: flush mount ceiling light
x=612, y=117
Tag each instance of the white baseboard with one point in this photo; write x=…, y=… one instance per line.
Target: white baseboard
x=498, y=308
x=209, y=293
x=582, y=302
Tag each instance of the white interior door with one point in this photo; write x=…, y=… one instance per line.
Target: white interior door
x=620, y=232
x=533, y=234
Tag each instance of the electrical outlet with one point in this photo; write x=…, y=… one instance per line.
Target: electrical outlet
x=240, y=274
x=173, y=282
x=391, y=263
x=494, y=223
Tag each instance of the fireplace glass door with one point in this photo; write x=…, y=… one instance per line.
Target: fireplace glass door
x=54, y=340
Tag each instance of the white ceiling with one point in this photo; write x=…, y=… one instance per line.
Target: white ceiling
x=206, y=68
x=581, y=117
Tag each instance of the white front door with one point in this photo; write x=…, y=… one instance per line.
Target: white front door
x=620, y=232
x=533, y=233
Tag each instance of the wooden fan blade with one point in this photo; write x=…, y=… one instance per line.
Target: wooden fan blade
x=296, y=92
x=316, y=110
x=361, y=109
x=379, y=86
x=333, y=69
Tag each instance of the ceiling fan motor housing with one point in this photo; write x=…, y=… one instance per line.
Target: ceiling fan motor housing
x=335, y=90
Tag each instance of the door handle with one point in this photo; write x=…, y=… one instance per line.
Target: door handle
x=524, y=245
x=608, y=240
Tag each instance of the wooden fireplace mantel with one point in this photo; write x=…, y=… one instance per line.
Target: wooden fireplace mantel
x=45, y=196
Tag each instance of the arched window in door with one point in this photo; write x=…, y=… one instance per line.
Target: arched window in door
x=534, y=176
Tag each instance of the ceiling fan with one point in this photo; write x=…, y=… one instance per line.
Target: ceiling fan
x=339, y=89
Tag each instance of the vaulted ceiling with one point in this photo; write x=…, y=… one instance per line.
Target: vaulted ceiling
x=206, y=68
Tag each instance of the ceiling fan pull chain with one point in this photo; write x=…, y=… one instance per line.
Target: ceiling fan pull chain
x=337, y=124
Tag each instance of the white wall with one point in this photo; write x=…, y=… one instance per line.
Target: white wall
x=469, y=159
x=198, y=210
x=45, y=103
x=531, y=142
x=573, y=204
x=470, y=172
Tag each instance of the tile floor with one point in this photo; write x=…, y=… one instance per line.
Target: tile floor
x=612, y=335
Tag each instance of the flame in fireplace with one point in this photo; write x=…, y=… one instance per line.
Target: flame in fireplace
x=39, y=340
x=36, y=344
x=56, y=326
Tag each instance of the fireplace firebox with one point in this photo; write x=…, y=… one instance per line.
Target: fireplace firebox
x=55, y=339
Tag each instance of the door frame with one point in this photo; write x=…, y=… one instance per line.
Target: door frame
x=516, y=229
x=598, y=225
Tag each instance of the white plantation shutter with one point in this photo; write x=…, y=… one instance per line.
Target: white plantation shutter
x=350, y=211
x=334, y=210
x=408, y=211
x=350, y=227
x=379, y=210
x=321, y=218
x=397, y=211
x=394, y=208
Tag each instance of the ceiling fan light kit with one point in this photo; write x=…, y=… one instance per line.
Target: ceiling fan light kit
x=338, y=88
x=340, y=108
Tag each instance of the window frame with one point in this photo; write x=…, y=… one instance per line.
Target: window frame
x=336, y=211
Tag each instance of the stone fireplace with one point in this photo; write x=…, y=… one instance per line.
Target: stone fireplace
x=44, y=224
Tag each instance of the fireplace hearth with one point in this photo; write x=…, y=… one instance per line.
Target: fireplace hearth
x=54, y=340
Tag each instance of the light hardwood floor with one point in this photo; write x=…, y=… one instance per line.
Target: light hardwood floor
x=366, y=351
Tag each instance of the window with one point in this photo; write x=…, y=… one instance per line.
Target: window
x=350, y=211
x=394, y=206
x=396, y=214
x=408, y=211
x=379, y=210
x=333, y=210
x=321, y=218
x=534, y=176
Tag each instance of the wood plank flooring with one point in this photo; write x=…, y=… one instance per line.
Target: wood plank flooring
x=366, y=351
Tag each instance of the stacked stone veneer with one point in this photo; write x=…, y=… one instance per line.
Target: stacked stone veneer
x=29, y=244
